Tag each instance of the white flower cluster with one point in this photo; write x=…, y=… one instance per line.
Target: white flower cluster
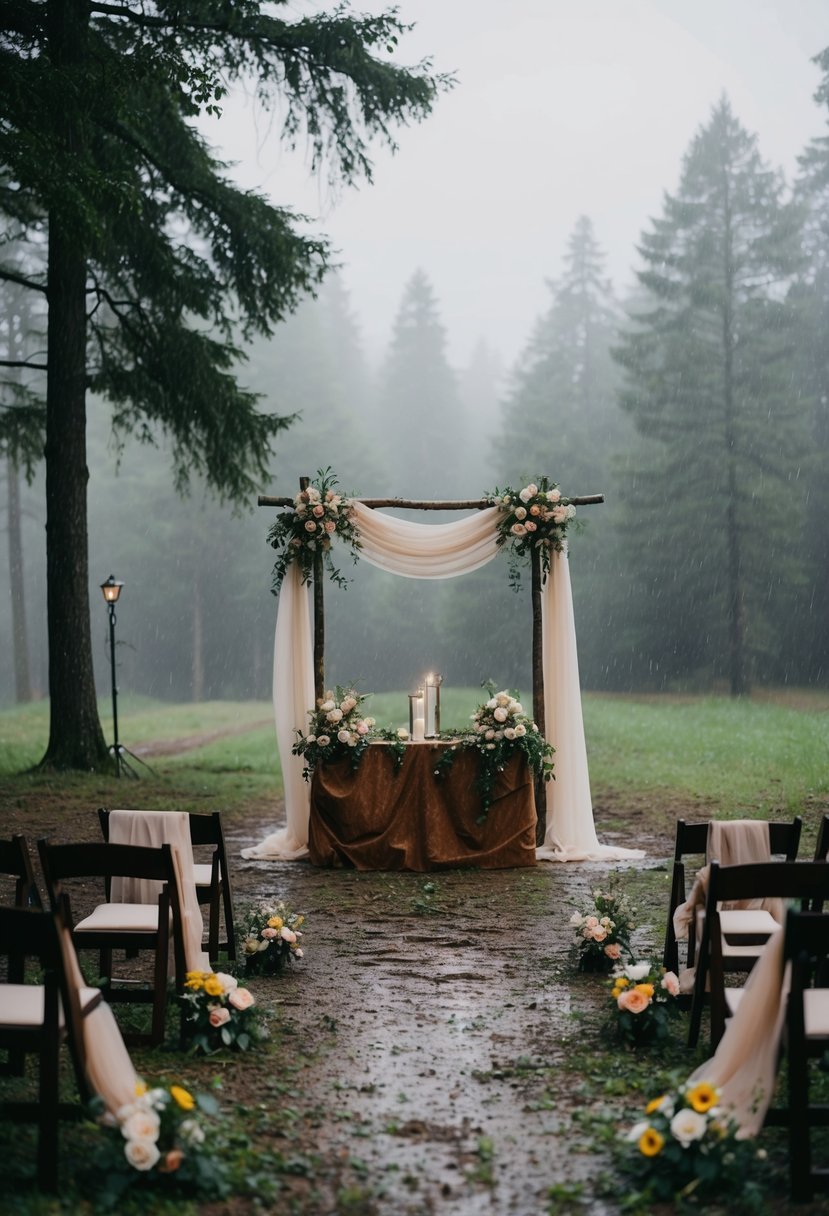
x=340, y=719
x=592, y=928
x=140, y=1122
x=540, y=507
x=280, y=925
x=319, y=512
x=685, y=1124
x=502, y=717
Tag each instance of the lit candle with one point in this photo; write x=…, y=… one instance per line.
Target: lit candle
x=419, y=731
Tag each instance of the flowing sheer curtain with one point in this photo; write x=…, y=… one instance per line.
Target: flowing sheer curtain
x=416, y=550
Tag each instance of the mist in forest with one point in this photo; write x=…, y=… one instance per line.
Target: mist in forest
x=593, y=320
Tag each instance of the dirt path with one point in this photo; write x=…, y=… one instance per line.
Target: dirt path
x=439, y=1008
x=172, y=747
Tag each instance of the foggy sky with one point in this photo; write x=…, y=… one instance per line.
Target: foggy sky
x=562, y=107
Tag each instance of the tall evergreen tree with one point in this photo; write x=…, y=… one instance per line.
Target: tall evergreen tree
x=559, y=415
x=708, y=367
x=155, y=260
x=420, y=409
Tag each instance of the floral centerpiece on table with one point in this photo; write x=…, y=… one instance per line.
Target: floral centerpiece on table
x=271, y=935
x=644, y=996
x=304, y=533
x=689, y=1148
x=603, y=934
x=338, y=729
x=535, y=517
x=158, y=1139
x=219, y=1013
x=501, y=730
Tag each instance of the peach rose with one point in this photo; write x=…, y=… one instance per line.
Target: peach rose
x=172, y=1161
x=670, y=983
x=614, y=950
x=218, y=1017
x=633, y=1000
x=241, y=998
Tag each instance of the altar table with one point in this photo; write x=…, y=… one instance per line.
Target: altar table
x=380, y=819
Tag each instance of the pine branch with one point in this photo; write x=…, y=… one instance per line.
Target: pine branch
x=42, y=367
x=11, y=277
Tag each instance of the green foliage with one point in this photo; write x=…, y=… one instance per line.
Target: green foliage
x=708, y=362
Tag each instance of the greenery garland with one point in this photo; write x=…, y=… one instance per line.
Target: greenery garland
x=500, y=730
x=319, y=513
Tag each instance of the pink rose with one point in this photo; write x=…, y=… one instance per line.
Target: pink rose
x=530, y=526
x=319, y=510
x=559, y=515
x=614, y=950
x=268, y=933
x=598, y=933
x=518, y=530
x=218, y=1017
x=241, y=998
x=591, y=921
x=670, y=983
x=310, y=526
x=535, y=509
x=553, y=495
x=633, y=1000
x=330, y=526
x=362, y=729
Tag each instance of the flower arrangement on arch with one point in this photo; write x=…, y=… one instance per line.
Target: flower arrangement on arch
x=219, y=1013
x=687, y=1147
x=159, y=1139
x=535, y=517
x=271, y=936
x=305, y=532
x=645, y=1002
x=500, y=730
x=603, y=933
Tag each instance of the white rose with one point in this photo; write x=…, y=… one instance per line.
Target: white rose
x=326, y=706
x=499, y=734
x=571, y=511
x=191, y=1132
x=228, y=982
x=520, y=513
x=688, y=1125
x=313, y=494
x=344, y=736
x=323, y=740
x=637, y=1131
x=334, y=715
x=526, y=494
x=503, y=698
x=509, y=733
x=553, y=495
x=637, y=971
x=491, y=703
x=517, y=707
x=370, y=722
x=490, y=734
x=141, y=1154
x=520, y=730
x=402, y=733
x=490, y=747
x=500, y=714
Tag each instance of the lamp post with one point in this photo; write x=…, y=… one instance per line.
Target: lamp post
x=111, y=590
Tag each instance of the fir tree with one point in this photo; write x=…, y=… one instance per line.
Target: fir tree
x=708, y=383
x=155, y=260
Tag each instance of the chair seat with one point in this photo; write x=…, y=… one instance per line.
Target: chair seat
x=23, y=1004
x=732, y=952
x=747, y=922
x=203, y=875
x=120, y=918
x=816, y=1012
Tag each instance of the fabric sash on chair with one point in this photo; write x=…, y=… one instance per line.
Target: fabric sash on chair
x=157, y=828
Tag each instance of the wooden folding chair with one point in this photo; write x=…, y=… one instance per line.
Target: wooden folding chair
x=212, y=878
x=16, y=864
x=692, y=841
x=806, y=881
x=37, y=1019
x=822, y=843
x=806, y=948
x=131, y=927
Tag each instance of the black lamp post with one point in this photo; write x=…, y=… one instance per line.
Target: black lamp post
x=112, y=589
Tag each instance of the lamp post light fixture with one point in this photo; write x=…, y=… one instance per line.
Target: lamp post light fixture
x=111, y=590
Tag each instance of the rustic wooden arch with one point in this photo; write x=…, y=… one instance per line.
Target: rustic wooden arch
x=409, y=504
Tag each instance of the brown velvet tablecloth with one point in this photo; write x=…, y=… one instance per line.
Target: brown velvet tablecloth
x=379, y=819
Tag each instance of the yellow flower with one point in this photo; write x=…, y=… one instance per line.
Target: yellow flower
x=275, y=922
x=702, y=1097
x=650, y=1142
x=185, y=1100
x=622, y=982
x=300, y=920
x=213, y=986
x=194, y=981
x=616, y=993
x=654, y=1104
x=140, y=1089
x=645, y=989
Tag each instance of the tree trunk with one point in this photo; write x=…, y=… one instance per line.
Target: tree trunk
x=198, y=639
x=76, y=739
x=22, y=678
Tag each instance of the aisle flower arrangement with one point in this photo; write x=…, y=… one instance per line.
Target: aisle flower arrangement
x=603, y=933
x=535, y=517
x=645, y=1002
x=271, y=936
x=161, y=1140
x=338, y=729
x=305, y=532
x=689, y=1148
x=500, y=730
x=219, y=1013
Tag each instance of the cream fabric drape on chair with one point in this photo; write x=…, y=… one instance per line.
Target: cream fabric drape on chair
x=434, y=551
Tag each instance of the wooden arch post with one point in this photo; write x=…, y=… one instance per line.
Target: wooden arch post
x=536, y=579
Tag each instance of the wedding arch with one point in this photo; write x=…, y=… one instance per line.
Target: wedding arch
x=438, y=551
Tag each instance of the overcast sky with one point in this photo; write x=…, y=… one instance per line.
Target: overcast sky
x=562, y=107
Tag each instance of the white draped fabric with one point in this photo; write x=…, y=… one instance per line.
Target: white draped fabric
x=416, y=550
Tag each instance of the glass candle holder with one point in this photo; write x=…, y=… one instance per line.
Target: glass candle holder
x=432, y=704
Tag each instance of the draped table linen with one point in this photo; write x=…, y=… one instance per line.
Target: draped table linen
x=416, y=550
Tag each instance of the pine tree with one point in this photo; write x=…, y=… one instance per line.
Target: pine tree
x=559, y=416
x=155, y=260
x=709, y=368
x=420, y=410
